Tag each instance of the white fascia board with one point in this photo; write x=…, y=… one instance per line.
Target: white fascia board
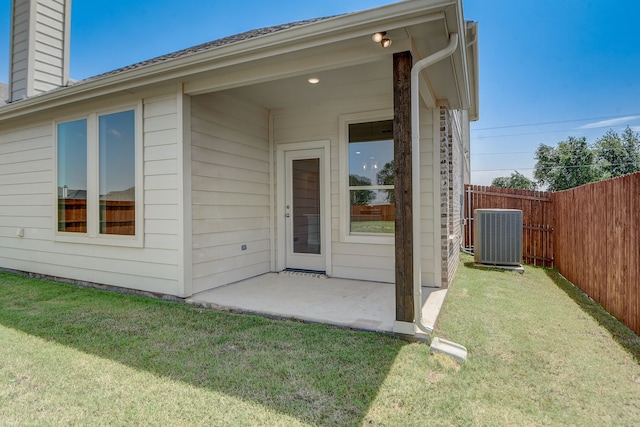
x=472, y=55
x=385, y=18
x=459, y=59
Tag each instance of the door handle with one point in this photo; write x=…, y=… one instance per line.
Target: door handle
x=287, y=215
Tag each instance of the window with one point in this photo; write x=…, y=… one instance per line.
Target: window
x=95, y=202
x=371, y=191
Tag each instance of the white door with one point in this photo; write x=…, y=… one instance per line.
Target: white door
x=304, y=209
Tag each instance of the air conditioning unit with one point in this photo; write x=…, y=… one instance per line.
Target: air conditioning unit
x=497, y=236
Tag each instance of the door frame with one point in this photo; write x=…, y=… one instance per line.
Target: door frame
x=325, y=176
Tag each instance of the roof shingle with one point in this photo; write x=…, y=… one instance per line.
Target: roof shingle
x=207, y=46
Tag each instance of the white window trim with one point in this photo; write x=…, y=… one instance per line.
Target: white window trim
x=345, y=229
x=93, y=236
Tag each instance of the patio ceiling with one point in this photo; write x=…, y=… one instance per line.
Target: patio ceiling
x=344, y=83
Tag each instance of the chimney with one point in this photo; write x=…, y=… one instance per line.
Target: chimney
x=39, y=46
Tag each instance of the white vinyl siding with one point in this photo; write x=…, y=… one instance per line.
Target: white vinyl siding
x=19, y=49
x=49, y=52
x=27, y=201
x=39, y=57
x=230, y=190
x=161, y=194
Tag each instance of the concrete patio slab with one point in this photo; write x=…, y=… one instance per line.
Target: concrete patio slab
x=341, y=302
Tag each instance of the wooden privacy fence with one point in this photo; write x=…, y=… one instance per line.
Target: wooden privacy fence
x=117, y=217
x=372, y=213
x=597, y=243
x=537, y=233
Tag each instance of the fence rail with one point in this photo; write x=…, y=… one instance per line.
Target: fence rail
x=537, y=232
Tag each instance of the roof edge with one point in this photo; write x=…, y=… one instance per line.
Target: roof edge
x=316, y=32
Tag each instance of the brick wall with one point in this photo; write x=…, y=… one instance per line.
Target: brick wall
x=453, y=173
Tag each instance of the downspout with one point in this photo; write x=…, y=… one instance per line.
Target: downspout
x=415, y=166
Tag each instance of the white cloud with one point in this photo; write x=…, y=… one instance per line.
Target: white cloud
x=610, y=122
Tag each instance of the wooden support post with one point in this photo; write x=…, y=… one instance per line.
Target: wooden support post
x=402, y=63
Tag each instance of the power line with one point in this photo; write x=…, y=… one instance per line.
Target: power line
x=575, y=131
x=552, y=167
x=476, y=137
x=502, y=170
x=506, y=152
x=556, y=122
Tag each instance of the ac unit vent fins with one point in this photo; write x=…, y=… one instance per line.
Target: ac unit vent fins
x=497, y=236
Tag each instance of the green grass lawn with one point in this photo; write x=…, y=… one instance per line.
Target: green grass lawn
x=373, y=226
x=539, y=354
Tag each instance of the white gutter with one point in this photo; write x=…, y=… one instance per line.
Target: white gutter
x=415, y=167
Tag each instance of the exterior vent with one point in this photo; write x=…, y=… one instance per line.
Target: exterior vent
x=497, y=236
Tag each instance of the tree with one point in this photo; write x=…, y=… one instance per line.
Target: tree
x=361, y=197
x=386, y=177
x=570, y=164
x=617, y=155
x=516, y=180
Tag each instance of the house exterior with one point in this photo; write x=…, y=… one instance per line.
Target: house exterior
x=228, y=160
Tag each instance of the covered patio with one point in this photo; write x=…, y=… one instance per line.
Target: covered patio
x=309, y=297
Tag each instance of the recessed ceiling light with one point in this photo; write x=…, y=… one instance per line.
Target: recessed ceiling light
x=314, y=80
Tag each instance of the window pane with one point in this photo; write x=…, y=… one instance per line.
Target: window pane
x=117, y=173
x=371, y=165
x=72, y=177
x=372, y=211
x=306, y=206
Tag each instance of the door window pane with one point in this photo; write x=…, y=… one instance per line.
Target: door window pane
x=371, y=176
x=117, y=173
x=306, y=206
x=72, y=176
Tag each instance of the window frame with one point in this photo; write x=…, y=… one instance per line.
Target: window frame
x=345, y=202
x=93, y=235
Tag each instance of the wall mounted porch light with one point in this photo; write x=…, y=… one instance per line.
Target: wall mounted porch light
x=381, y=37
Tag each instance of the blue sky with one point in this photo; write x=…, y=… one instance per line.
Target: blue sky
x=560, y=67
x=549, y=69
